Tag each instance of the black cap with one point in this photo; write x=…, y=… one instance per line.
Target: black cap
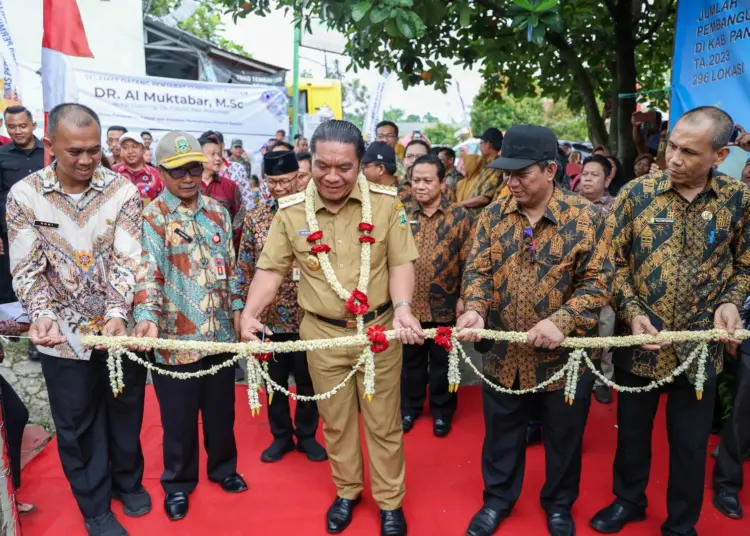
x=280, y=163
x=494, y=136
x=379, y=152
x=525, y=145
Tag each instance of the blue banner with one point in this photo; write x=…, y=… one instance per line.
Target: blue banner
x=711, y=58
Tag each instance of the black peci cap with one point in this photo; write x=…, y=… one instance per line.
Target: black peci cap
x=278, y=163
x=525, y=145
x=494, y=136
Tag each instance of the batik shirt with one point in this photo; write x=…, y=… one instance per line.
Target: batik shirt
x=244, y=162
x=517, y=275
x=283, y=315
x=677, y=261
x=604, y=203
x=452, y=178
x=443, y=241
x=186, y=281
x=74, y=261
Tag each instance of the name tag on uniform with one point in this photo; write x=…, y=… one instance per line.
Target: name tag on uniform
x=304, y=232
x=51, y=225
x=220, y=268
x=662, y=220
x=296, y=273
x=182, y=234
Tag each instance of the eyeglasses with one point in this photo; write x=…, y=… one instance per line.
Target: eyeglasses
x=181, y=173
x=383, y=137
x=280, y=182
x=529, y=244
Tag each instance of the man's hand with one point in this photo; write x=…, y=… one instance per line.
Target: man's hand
x=408, y=329
x=654, y=168
x=469, y=320
x=727, y=317
x=45, y=332
x=642, y=325
x=145, y=329
x=237, y=324
x=545, y=335
x=115, y=327
x=460, y=308
x=743, y=139
x=250, y=327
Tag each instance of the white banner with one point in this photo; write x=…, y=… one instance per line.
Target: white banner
x=375, y=110
x=250, y=113
x=10, y=93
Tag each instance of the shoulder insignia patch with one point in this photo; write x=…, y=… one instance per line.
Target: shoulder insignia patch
x=290, y=200
x=380, y=189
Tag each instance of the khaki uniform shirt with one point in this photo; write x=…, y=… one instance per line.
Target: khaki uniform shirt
x=287, y=241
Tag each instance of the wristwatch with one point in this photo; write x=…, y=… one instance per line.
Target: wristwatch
x=403, y=303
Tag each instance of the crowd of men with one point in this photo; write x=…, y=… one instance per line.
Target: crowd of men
x=192, y=249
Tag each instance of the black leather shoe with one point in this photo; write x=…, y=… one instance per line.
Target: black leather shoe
x=602, y=394
x=339, y=515
x=233, y=484
x=278, y=449
x=485, y=522
x=134, y=504
x=614, y=517
x=176, y=505
x=407, y=421
x=314, y=450
x=728, y=503
x=560, y=525
x=441, y=427
x=392, y=522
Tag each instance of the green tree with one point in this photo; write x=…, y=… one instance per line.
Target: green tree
x=413, y=118
x=581, y=51
x=205, y=23
x=394, y=114
x=429, y=118
x=442, y=134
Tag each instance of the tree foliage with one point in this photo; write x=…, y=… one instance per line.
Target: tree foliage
x=205, y=23
x=442, y=134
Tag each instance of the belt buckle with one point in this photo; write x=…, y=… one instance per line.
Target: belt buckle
x=351, y=324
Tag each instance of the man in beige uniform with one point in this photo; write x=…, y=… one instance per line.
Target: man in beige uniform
x=337, y=148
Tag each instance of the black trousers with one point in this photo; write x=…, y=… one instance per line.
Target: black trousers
x=180, y=402
x=426, y=366
x=504, y=450
x=688, y=428
x=735, y=438
x=98, y=435
x=6, y=281
x=279, y=414
x=16, y=418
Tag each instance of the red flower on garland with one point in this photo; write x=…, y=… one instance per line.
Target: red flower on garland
x=366, y=227
x=262, y=357
x=314, y=237
x=320, y=248
x=376, y=335
x=367, y=239
x=443, y=338
x=357, y=303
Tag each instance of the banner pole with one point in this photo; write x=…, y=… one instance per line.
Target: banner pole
x=47, y=155
x=295, y=77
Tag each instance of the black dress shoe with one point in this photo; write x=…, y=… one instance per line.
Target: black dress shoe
x=176, y=505
x=339, y=515
x=392, y=522
x=407, y=421
x=728, y=503
x=614, y=517
x=485, y=522
x=314, y=450
x=441, y=427
x=278, y=449
x=602, y=394
x=560, y=525
x=233, y=484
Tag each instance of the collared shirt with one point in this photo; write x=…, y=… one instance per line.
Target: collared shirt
x=17, y=164
x=452, y=178
x=677, y=261
x=443, y=241
x=146, y=179
x=244, y=162
x=74, y=259
x=225, y=191
x=187, y=284
x=604, y=203
x=287, y=241
x=559, y=269
x=237, y=174
x=283, y=315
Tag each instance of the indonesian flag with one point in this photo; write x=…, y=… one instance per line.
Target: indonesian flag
x=64, y=37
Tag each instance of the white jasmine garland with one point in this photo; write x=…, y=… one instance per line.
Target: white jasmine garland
x=369, y=379
x=454, y=373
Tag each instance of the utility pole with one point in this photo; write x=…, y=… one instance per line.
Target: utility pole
x=295, y=76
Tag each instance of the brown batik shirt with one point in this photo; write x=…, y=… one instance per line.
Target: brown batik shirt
x=443, y=241
x=676, y=262
x=560, y=269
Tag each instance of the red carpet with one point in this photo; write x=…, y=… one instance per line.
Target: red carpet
x=444, y=486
